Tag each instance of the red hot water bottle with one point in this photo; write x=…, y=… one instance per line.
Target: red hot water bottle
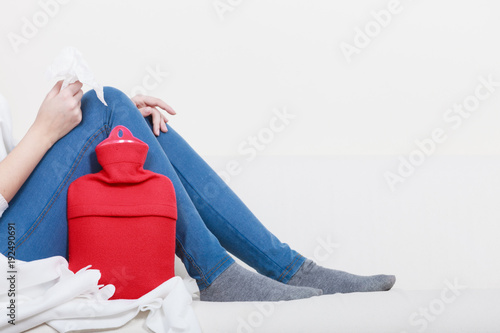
x=121, y=220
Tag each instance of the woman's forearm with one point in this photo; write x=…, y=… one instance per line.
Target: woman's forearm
x=22, y=160
x=59, y=113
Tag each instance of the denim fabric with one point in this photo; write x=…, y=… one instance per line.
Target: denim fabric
x=211, y=218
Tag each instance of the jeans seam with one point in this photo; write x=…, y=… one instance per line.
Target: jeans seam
x=289, y=268
x=58, y=191
x=203, y=276
x=211, y=207
x=219, y=264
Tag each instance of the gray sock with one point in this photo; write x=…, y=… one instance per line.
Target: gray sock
x=236, y=284
x=332, y=281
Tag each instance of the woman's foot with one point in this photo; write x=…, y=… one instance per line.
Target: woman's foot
x=236, y=284
x=333, y=281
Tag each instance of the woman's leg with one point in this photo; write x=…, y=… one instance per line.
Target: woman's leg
x=242, y=234
x=39, y=208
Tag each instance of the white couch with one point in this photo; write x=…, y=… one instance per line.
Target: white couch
x=394, y=311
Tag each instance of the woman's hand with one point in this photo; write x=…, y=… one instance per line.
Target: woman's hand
x=60, y=112
x=147, y=106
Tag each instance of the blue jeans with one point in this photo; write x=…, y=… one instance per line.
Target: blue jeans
x=211, y=218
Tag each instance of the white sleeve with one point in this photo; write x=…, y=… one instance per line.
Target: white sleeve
x=3, y=205
x=7, y=142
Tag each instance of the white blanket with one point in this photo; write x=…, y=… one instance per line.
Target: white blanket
x=46, y=291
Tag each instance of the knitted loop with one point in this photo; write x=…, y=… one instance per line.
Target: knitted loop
x=114, y=136
x=126, y=134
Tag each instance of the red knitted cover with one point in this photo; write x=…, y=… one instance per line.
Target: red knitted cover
x=121, y=220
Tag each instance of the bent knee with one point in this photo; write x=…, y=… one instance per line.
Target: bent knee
x=114, y=93
x=111, y=95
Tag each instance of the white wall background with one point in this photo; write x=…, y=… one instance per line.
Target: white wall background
x=228, y=71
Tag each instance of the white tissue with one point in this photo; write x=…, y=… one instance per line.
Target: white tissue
x=71, y=66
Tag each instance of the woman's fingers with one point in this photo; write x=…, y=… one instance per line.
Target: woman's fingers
x=79, y=96
x=55, y=89
x=147, y=105
x=156, y=122
x=153, y=102
x=136, y=100
x=163, y=127
x=158, y=119
x=163, y=121
x=74, y=88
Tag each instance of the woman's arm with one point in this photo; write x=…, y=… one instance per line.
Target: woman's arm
x=59, y=113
